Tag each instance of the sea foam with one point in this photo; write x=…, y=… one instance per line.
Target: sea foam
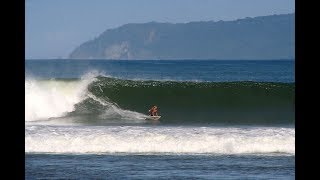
x=176, y=140
x=53, y=98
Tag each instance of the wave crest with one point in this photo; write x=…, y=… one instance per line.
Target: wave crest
x=46, y=99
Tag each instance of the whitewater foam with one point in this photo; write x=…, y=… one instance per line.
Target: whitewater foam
x=45, y=99
x=177, y=140
x=113, y=111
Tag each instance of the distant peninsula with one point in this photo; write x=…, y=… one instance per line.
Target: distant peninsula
x=264, y=37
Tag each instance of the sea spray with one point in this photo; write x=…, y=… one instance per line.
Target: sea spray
x=46, y=99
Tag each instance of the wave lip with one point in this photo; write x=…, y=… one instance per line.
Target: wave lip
x=175, y=140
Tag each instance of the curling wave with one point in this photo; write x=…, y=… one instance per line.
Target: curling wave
x=101, y=99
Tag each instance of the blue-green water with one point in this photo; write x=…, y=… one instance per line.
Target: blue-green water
x=124, y=166
x=85, y=119
x=178, y=70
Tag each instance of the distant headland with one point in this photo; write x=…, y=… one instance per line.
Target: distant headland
x=264, y=37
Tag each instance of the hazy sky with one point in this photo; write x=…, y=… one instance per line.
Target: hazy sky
x=55, y=27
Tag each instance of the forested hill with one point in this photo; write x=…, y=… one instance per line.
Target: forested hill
x=264, y=37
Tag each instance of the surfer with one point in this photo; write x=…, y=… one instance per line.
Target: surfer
x=154, y=111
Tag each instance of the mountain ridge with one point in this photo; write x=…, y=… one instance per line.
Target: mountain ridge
x=263, y=37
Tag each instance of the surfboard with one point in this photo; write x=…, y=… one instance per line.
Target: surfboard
x=155, y=118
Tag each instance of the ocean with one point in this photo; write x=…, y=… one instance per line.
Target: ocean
x=221, y=119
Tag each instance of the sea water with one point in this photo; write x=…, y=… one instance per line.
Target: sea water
x=220, y=119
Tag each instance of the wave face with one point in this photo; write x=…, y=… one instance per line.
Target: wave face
x=99, y=100
x=203, y=102
x=161, y=139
